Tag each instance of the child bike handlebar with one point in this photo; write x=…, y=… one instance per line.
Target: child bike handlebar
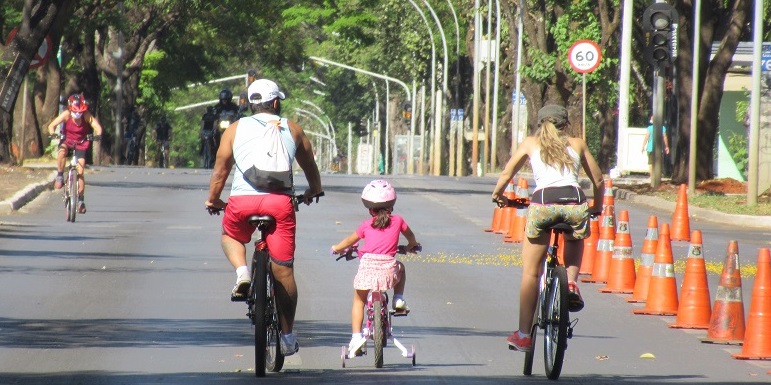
x=352, y=252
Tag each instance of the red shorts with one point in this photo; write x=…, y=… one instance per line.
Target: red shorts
x=281, y=240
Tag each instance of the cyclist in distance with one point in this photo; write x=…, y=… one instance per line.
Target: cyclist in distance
x=78, y=123
x=555, y=159
x=163, y=137
x=243, y=97
x=244, y=145
x=378, y=267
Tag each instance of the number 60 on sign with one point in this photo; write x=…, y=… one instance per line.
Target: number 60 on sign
x=584, y=56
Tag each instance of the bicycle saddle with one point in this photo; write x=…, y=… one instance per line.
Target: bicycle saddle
x=255, y=220
x=561, y=226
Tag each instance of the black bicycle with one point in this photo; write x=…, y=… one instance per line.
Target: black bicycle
x=261, y=300
x=551, y=313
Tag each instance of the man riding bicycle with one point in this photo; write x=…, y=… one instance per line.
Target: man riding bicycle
x=78, y=124
x=243, y=145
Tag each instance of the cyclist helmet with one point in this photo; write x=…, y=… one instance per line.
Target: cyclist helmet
x=226, y=96
x=77, y=103
x=378, y=194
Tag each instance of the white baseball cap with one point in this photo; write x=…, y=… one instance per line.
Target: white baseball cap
x=264, y=90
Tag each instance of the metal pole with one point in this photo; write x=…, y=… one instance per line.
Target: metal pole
x=658, y=119
x=423, y=137
x=752, y=177
x=486, y=153
x=349, y=152
x=515, y=118
x=695, y=76
x=627, y=26
x=496, y=82
x=411, y=144
x=433, y=58
x=445, y=92
x=386, y=151
x=117, y=152
x=475, y=113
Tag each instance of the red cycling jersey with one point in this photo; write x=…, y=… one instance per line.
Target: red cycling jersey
x=75, y=133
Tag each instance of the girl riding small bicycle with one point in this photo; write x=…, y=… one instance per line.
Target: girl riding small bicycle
x=378, y=268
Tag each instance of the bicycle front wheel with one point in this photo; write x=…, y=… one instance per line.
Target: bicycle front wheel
x=379, y=334
x=72, y=191
x=259, y=294
x=556, y=332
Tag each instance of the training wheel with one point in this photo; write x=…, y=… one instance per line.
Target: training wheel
x=342, y=356
x=413, y=354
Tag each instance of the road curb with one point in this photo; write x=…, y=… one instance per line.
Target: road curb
x=27, y=194
x=697, y=213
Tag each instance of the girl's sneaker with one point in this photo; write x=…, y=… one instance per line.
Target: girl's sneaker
x=400, y=305
x=357, y=342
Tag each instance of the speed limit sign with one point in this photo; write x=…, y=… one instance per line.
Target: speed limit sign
x=584, y=56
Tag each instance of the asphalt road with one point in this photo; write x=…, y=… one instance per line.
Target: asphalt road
x=137, y=292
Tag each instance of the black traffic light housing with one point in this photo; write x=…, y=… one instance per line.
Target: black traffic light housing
x=407, y=113
x=660, y=21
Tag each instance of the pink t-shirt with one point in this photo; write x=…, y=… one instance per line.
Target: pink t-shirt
x=381, y=241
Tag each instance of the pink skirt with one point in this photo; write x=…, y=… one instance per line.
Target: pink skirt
x=376, y=272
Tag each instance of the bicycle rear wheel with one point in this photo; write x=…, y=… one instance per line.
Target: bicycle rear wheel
x=379, y=334
x=274, y=360
x=259, y=294
x=556, y=332
x=72, y=191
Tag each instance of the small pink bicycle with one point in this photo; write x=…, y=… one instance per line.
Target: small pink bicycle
x=378, y=320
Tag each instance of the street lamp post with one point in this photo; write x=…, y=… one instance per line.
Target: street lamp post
x=456, y=99
x=439, y=120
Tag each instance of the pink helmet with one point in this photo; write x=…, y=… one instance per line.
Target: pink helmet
x=378, y=194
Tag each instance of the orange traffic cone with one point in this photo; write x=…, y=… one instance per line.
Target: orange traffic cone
x=757, y=338
x=608, y=197
x=726, y=325
x=604, y=247
x=590, y=245
x=641, y=283
x=496, y=220
x=662, y=290
x=695, y=308
x=516, y=230
x=621, y=275
x=681, y=230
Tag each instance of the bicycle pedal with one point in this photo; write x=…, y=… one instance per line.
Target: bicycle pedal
x=400, y=313
x=238, y=298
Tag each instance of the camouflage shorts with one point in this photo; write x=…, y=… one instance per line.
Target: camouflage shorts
x=541, y=217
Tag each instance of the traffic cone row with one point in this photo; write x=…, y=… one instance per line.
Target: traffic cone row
x=607, y=259
x=497, y=224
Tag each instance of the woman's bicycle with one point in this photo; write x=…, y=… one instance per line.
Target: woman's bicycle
x=261, y=300
x=378, y=318
x=72, y=181
x=551, y=313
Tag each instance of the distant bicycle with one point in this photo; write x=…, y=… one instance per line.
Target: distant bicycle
x=261, y=300
x=164, y=156
x=378, y=323
x=71, y=182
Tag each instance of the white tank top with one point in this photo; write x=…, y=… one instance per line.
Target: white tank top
x=249, y=131
x=548, y=176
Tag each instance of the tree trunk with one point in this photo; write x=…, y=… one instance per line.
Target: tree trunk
x=711, y=86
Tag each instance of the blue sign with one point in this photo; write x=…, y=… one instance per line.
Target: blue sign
x=456, y=115
x=521, y=98
x=765, y=58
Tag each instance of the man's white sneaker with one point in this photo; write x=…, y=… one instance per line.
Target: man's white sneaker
x=242, y=286
x=356, y=344
x=289, y=344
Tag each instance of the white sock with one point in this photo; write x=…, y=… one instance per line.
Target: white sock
x=523, y=335
x=355, y=335
x=241, y=271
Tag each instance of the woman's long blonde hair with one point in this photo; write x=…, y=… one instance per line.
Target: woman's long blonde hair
x=554, y=142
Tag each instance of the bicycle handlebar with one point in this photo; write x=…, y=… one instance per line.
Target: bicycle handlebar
x=352, y=252
x=296, y=199
x=519, y=202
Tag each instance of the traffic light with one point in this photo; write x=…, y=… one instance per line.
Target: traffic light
x=407, y=110
x=660, y=21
